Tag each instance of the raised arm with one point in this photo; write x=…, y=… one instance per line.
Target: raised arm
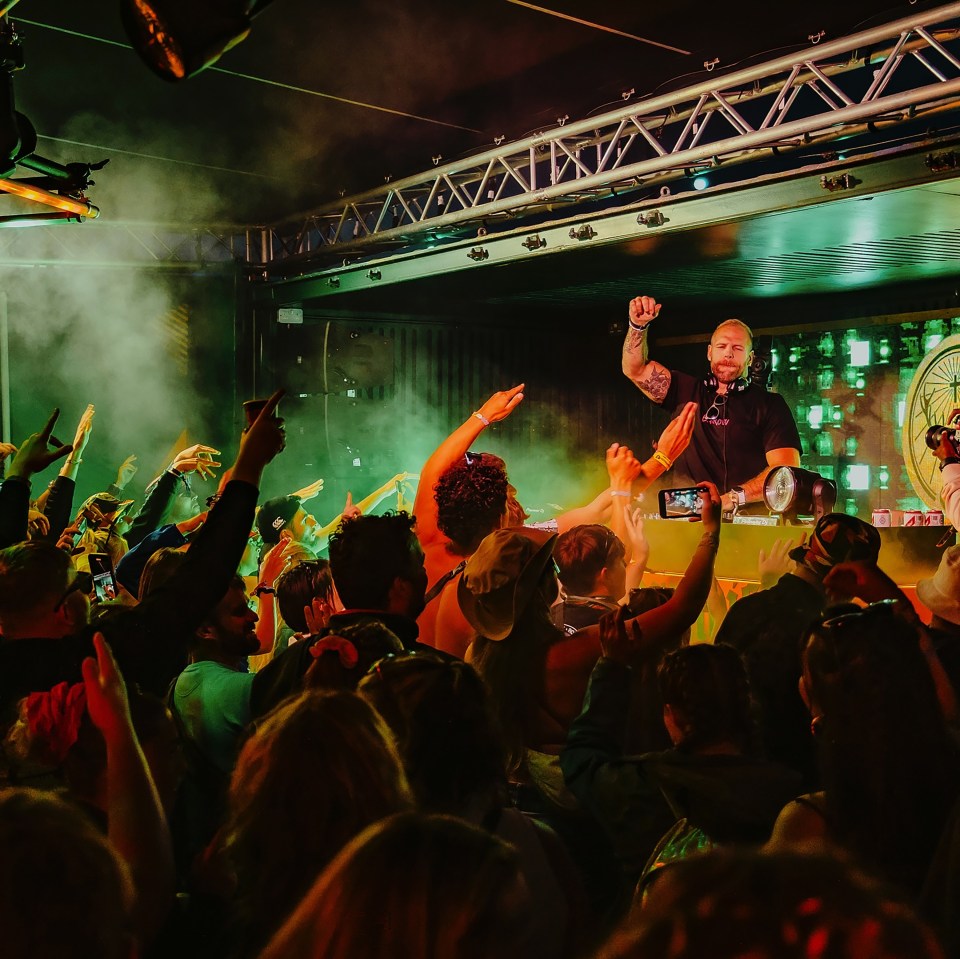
x=136, y=825
x=603, y=508
x=683, y=608
x=176, y=608
x=197, y=458
x=496, y=408
x=622, y=470
x=33, y=456
x=125, y=472
x=648, y=375
x=381, y=493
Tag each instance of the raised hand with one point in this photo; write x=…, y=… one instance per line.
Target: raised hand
x=107, y=701
x=308, y=492
x=34, y=454
x=774, y=564
x=710, y=514
x=7, y=449
x=199, y=459
x=263, y=440
x=622, y=466
x=643, y=310
x=502, y=404
x=349, y=510
x=404, y=483
x=317, y=615
x=614, y=641
x=676, y=437
x=84, y=429
x=37, y=524
x=863, y=580
x=127, y=471
x=68, y=539
x=274, y=561
x=633, y=523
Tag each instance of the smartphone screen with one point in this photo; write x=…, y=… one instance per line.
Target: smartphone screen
x=104, y=578
x=682, y=503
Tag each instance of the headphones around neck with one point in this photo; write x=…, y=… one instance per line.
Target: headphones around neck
x=737, y=386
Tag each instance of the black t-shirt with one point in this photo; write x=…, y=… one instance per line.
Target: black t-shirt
x=729, y=447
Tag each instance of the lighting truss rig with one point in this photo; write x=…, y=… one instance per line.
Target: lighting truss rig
x=892, y=74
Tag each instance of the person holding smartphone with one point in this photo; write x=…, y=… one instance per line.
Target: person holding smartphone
x=742, y=429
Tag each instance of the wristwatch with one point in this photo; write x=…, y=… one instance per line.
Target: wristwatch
x=740, y=494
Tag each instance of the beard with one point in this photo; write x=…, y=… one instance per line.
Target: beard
x=727, y=372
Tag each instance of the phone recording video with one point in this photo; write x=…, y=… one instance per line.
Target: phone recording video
x=104, y=577
x=684, y=503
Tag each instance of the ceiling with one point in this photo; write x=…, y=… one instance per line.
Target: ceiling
x=330, y=97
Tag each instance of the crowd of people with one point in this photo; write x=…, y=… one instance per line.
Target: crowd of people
x=229, y=730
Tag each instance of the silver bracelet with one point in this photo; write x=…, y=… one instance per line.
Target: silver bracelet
x=481, y=417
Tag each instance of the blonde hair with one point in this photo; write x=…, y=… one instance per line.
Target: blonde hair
x=733, y=322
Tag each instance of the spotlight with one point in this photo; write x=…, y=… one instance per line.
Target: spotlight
x=179, y=38
x=791, y=491
x=700, y=183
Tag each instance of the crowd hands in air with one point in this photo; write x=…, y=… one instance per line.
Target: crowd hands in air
x=458, y=734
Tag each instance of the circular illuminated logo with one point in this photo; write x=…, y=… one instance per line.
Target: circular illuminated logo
x=933, y=397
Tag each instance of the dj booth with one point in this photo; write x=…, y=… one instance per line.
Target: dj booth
x=907, y=554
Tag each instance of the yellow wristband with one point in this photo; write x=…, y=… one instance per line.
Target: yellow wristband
x=662, y=459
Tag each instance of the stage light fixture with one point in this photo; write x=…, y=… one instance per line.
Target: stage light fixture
x=179, y=38
x=28, y=191
x=700, y=183
x=792, y=492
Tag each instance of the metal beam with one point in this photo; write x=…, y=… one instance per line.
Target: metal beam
x=892, y=73
x=932, y=161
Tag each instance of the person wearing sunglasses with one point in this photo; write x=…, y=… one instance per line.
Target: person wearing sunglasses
x=743, y=429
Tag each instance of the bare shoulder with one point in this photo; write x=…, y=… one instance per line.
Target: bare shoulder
x=452, y=633
x=801, y=823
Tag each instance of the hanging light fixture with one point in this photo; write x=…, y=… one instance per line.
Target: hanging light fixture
x=179, y=38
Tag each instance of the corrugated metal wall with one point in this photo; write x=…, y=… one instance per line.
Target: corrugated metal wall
x=576, y=400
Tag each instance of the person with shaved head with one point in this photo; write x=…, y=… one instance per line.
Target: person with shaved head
x=742, y=430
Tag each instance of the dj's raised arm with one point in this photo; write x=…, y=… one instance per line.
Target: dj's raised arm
x=646, y=374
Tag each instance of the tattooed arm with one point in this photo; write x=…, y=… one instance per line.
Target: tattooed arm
x=648, y=375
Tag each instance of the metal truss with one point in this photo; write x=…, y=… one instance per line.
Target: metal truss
x=891, y=74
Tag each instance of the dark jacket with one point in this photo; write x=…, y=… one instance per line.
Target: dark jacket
x=766, y=628
x=14, y=510
x=638, y=798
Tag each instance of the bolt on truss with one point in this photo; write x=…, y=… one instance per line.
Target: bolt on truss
x=892, y=73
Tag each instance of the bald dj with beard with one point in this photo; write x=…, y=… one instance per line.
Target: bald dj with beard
x=742, y=430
